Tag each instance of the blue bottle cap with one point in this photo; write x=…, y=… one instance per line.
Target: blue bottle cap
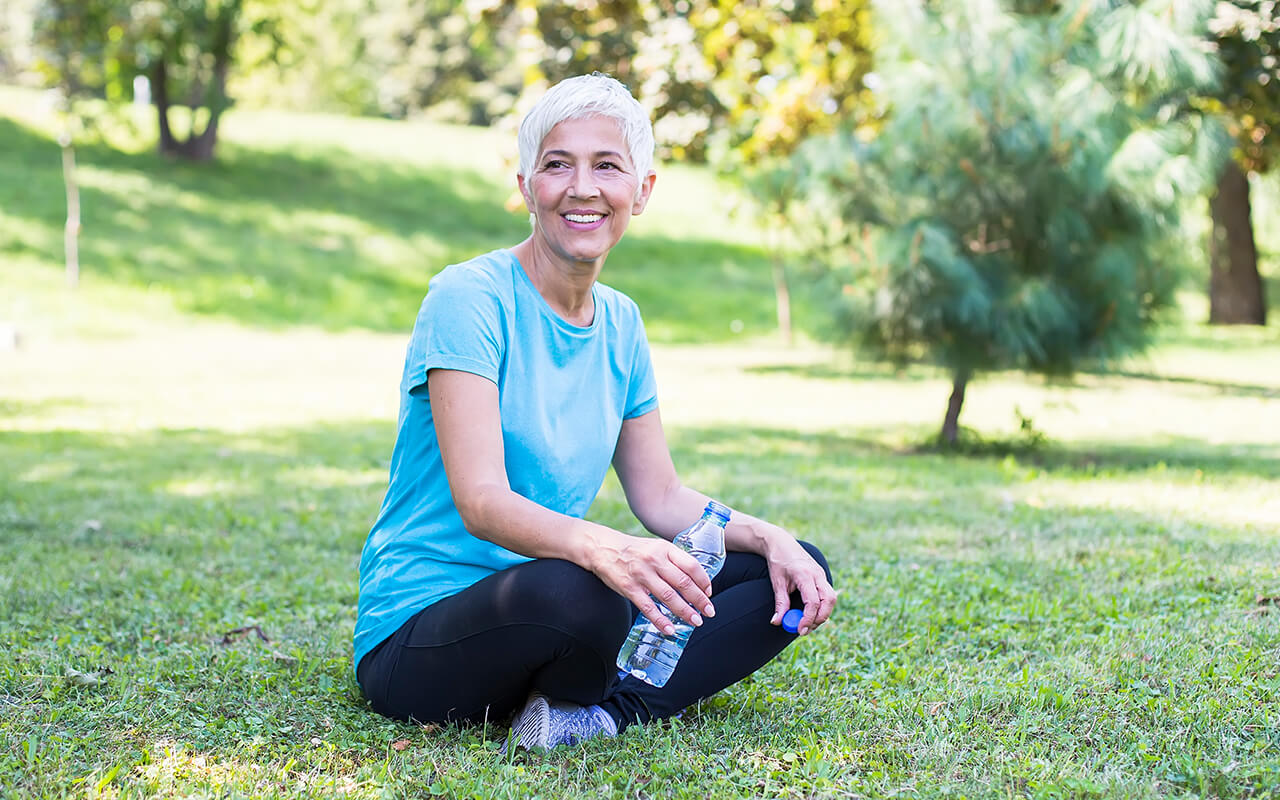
x=716, y=509
x=791, y=620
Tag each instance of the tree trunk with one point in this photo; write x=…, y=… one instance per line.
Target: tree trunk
x=1235, y=287
x=782, y=296
x=160, y=95
x=71, y=233
x=202, y=146
x=951, y=424
x=196, y=146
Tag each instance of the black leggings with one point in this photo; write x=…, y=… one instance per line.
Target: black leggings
x=552, y=626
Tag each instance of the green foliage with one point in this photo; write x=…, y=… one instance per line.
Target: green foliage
x=16, y=24
x=649, y=45
x=1019, y=207
x=185, y=48
x=78, y=44
x=760, y=76
x=1248, y=41
x=757, y=76
x=783, y=71
x=316, y=59
x=456, y=61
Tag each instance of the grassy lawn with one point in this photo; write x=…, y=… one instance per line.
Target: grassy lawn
x=333, y=223
x=193, y=444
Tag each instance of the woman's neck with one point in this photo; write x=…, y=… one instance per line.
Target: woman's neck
x=565, y=285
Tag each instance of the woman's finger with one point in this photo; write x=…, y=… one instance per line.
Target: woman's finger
x=811, y=594
x=645, y=603
x=819, y=601
x=682, y=593
x=781, y=598
x=826, y=602
x=691, y=567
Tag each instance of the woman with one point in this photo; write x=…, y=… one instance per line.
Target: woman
x=481, y=585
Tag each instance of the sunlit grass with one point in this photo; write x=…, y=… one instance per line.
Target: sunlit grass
x=337, y=223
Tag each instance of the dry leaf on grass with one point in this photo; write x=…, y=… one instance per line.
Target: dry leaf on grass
x=1263, y=604
x=87, y=680
x=283, y=658
x=239, y=633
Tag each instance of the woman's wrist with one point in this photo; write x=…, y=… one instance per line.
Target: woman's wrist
x=760, y=537
x=597, y=544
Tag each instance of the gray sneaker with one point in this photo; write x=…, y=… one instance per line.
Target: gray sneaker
x=542, y=724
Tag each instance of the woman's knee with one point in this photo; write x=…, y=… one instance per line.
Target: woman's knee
x=577, y=602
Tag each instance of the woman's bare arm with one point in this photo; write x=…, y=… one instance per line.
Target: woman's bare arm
x=464, y=408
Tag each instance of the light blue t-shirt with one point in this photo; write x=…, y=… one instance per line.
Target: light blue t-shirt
x=563, y=392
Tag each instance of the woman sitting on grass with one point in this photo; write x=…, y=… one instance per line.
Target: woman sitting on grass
x=482, y=588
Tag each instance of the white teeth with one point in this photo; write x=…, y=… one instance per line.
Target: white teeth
x=583, y=218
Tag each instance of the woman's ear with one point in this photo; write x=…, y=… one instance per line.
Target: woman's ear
x=643, y=192
x=524, y=192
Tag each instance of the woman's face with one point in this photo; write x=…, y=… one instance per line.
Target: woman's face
x=582, y=192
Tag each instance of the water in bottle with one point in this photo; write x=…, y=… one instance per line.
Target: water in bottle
x=648, y=653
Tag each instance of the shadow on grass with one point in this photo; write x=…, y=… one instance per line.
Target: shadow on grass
x=290, y=468
x=861, y=370
x=979, y=464
x=328, y=238
x=1230, y=388
x=872, y=371
x=12, y=407
x=266, y=238
x=279, y=486
x=1214, y=337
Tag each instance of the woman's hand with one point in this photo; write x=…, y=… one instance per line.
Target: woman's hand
x=665, y=506
x=642, y=569
x=792, y=569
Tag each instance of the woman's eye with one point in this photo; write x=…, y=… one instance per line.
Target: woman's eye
x=554, y=164
x=608, y=165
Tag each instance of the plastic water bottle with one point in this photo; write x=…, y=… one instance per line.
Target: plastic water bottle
x=648, y=653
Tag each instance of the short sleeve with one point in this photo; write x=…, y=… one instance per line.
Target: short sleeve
x=642, y=388
x=460, y=326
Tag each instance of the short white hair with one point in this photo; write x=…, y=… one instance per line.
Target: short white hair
x=594, y=95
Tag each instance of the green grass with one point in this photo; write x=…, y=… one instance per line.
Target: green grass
x=181, y=457
x=335, y=223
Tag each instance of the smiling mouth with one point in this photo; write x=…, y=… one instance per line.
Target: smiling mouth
x=584, y=219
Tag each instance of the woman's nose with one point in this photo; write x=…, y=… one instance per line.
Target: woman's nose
x=584, y=184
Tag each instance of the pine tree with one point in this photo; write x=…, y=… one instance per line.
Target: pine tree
x=1018, y=208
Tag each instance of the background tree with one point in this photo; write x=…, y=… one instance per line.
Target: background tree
x=1020, y=206
x=454, y=60
x=185, y=48
x=16, y=24
x=782, y=72
x=317, y=59
x=649, y=45
x=1248, y=39
x=74, y=48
